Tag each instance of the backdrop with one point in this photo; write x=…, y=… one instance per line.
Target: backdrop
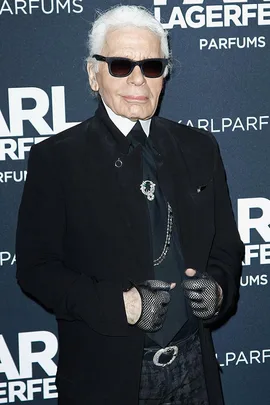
x=220, y=82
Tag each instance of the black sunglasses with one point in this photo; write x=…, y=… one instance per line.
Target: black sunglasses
x=122, y=67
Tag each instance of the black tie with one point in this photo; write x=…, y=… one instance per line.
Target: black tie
x=137, y=135
x=170, y=269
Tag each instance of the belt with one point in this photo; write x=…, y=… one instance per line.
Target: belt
x=163, y=356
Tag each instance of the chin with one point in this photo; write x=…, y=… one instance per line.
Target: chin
x=138, y=113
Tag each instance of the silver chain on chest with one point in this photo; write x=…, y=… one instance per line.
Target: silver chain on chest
x=147, y=187
x=167, y=238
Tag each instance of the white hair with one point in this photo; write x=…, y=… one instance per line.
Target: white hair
x=120, y=17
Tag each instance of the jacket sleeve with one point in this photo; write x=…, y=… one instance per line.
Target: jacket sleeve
x=227, y=252
x=41, y=268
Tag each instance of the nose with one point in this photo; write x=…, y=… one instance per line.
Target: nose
x=136, y=77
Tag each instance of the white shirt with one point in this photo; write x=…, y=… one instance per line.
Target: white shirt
x=125, y=125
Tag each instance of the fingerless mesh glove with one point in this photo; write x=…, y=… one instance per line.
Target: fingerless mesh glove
x=155, y=297
x=203, y=295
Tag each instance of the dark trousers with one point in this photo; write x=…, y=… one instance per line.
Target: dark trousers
x=179, y=383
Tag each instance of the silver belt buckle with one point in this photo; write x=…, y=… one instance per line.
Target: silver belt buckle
x=166, y=350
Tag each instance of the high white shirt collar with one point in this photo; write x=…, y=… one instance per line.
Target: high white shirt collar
x=125, y=125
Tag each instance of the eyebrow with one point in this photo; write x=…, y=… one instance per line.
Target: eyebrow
x=128, y=57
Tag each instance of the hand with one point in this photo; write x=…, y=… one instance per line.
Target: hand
x=133, y=305
x=154, y=300
x=203, y=293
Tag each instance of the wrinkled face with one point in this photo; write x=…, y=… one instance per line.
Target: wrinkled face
x=134, y=96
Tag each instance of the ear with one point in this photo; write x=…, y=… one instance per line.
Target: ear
x=92, y=76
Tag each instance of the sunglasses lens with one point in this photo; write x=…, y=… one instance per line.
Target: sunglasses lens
x=123, y=67
x=152, y=68
x=120, y=67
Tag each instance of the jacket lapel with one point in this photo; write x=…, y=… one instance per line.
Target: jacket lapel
x=121, y=171
x=176, y=183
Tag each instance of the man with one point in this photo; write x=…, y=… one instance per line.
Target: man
x=126, y=233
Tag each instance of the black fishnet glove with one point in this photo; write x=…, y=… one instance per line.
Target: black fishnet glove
x=204, y=295
x=155, y=299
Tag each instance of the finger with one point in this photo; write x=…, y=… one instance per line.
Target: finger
x=165, y=297
x=173, y=285
x=162, y=314
x=190, y=272
x=202, y=314
x=193, y=295
x=158, y=285
x=193, y=285
x=198, y=306
x=163, y=310
x=157, y=326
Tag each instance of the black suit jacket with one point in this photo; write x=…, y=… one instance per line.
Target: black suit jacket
x=83, y=235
